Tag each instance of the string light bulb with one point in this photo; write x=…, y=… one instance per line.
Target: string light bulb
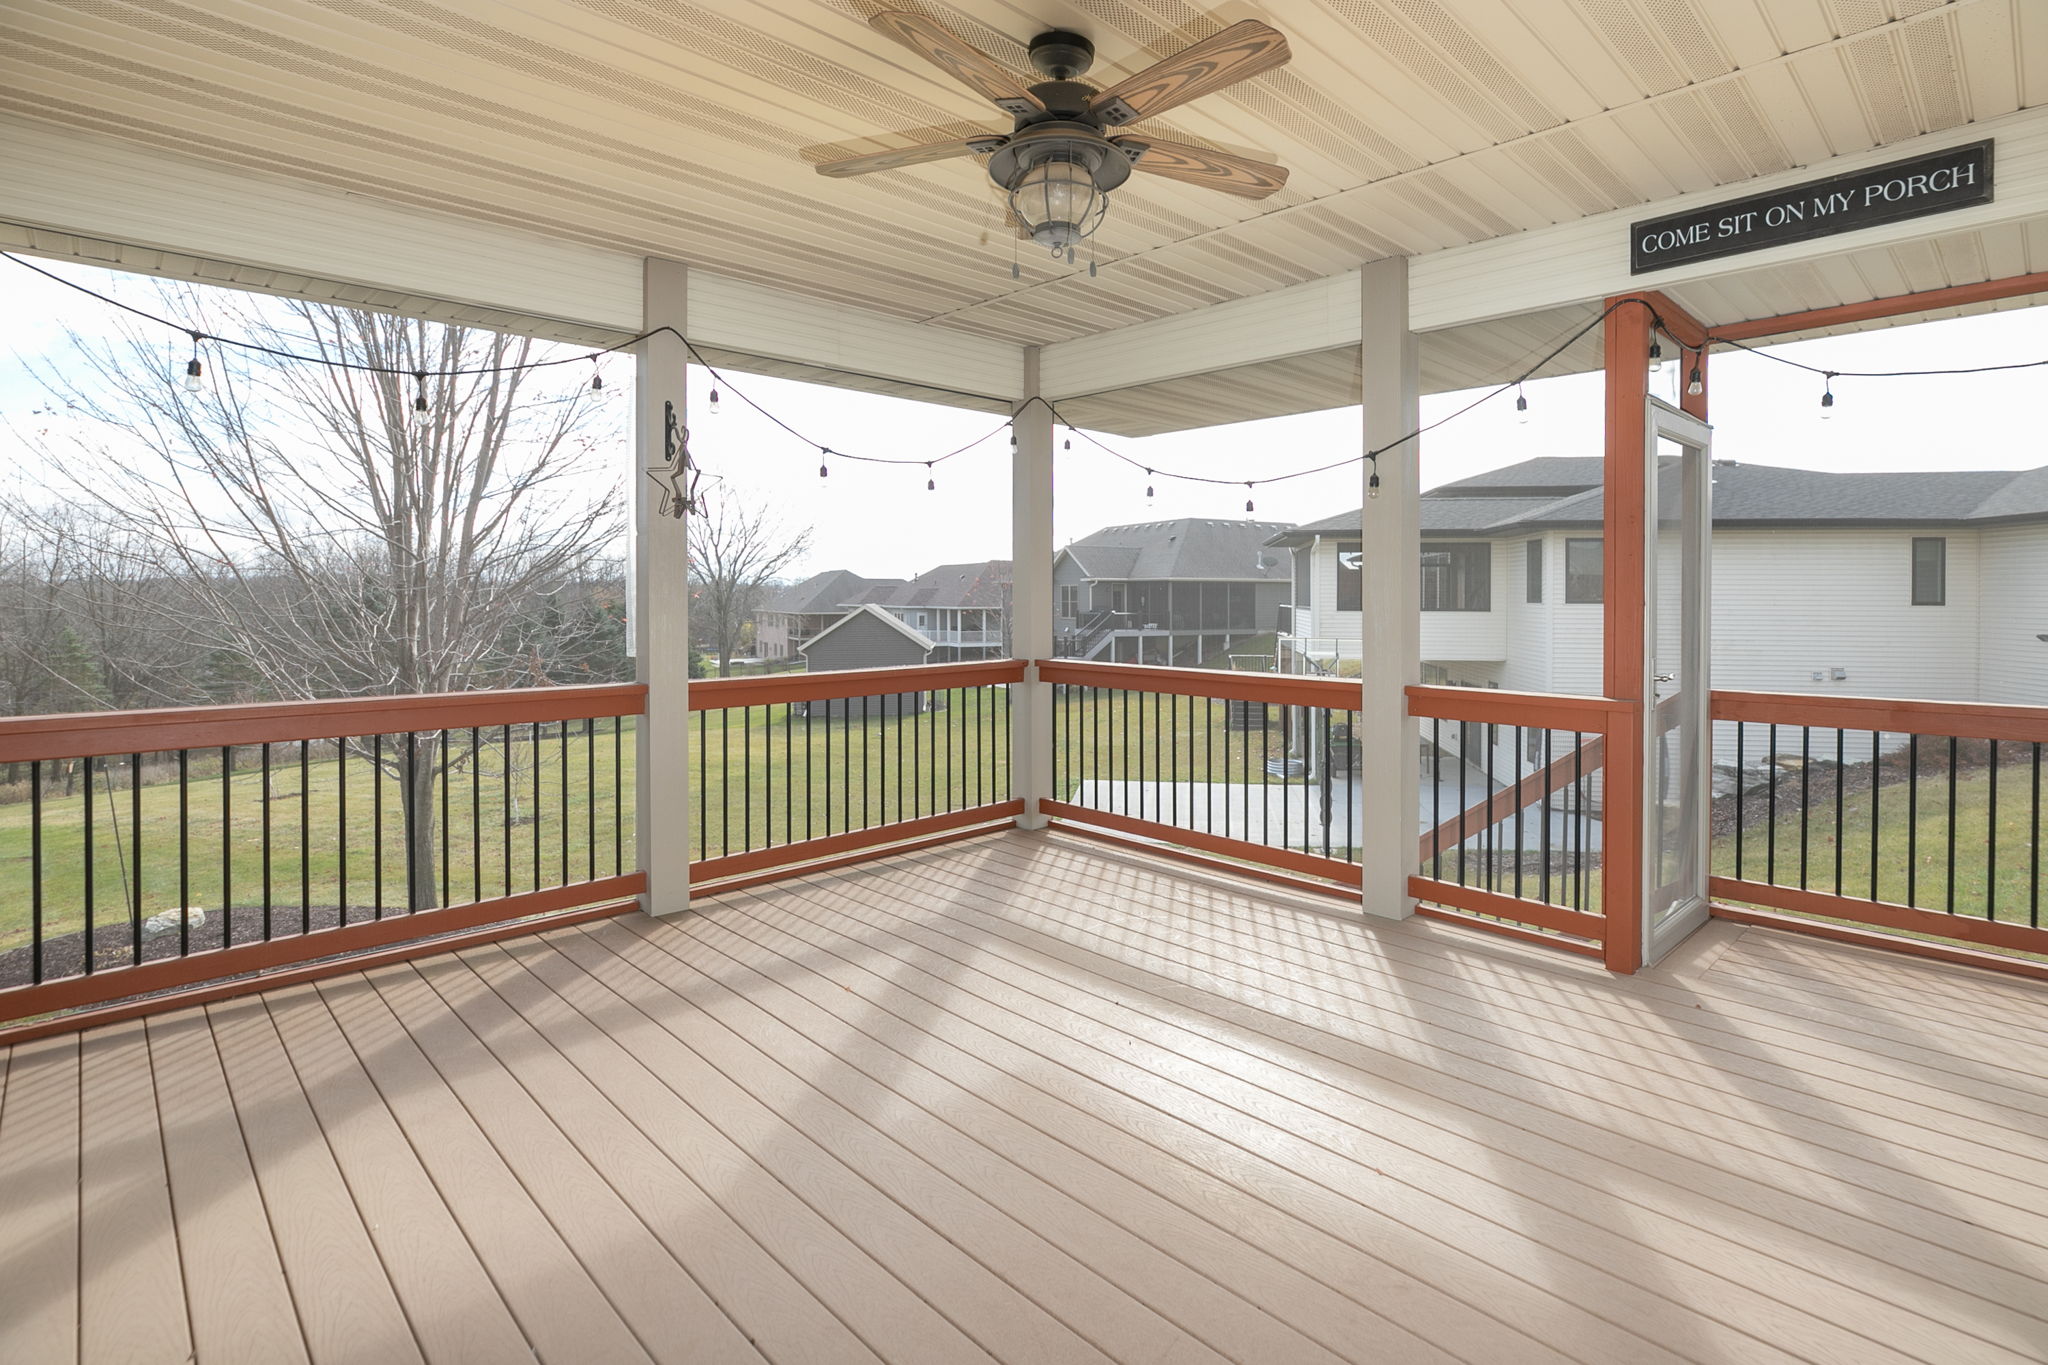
x=1247, y=501
x=1148, y=488
x=596, y=377
x=1521, y=405
x=1372, y=484
x=419, y=398
x=1695, y=382
x=1656, y=354
x=714, y=402
x=193, y=369
x=1827, y=396
x=931, y=484
x=824, y=472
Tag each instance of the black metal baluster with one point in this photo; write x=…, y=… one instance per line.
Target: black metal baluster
x=867, y=734
x=562, y=747
x=505, y=815
x=789, y=774
x=2034, y=828
x=1771, y=798
x=184, y=852
x=1009, y=785
x=90, y=921
x=412, y=859
x=1464, y=802
x=35, y=870
x=476, y=813
x=1544, y=876
x=619, y=796
x=1490, y=829
x=1842, y=758
x=264, y=799
x=1351, y=785
x=1580, y=831
x=1521, y=838
x=1805, y=795
x=536, y=805
x=1741, y=794
x=1876, y=785
x=1912, y=819
x=1954, y=744
x=305, y=838
x=590, y=798
x=1265, y=768
x=341, y=827
x=440, y=747
x=916, y=756
x=135, y=839
x=1436, y=797
x=746, y=775
x=1991, y=842
x=377, y=815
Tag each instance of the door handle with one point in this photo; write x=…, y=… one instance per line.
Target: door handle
x=1667, y=677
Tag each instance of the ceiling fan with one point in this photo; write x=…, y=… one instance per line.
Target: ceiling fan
x=1059, y=163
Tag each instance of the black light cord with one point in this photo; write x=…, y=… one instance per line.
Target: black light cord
x=826, y=450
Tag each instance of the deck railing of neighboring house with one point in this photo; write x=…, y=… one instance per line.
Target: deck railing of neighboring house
x=1258, y=768
x=804, y=766
x=1512, y=791
x=156, y=850
x=1922, y=821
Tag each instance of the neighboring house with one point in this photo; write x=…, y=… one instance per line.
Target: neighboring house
x=798, y=613
x=866, y=637
x=1916, y=585
x=1168, y=592
x=963, y=609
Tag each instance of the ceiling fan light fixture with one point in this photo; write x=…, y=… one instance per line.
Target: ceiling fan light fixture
x=1057, y=199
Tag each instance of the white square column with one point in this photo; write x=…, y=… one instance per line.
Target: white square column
x=1390, y=596
x=661, y=600
x=1031, y=551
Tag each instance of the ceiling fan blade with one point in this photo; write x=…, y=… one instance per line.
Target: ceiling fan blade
x=961, y=60
x=909, y=156
x=1244, y=49
x=1226, y=171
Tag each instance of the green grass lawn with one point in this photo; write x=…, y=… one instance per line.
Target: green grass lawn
x=1995, y=866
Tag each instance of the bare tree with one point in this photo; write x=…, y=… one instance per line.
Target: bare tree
x=737, y=550
x=341, y=530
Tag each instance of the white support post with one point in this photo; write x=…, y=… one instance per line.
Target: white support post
x=661, y=618
x=1391, y=595
x=1031, y=549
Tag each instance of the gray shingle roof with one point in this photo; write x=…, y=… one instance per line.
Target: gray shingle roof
x=830, y=591
x=1183, y=548
x=985, y=585
x=1562, y=491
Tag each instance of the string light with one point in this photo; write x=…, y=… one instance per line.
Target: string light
x=1148, y=488
x=1827, y=395
x=1695, y=382
x=1656, y=354
x=193, y=369
x=419, y=399
x=596, y=377
x=930, y=483
x=714, y=401
x=824, y=471
x=1247, y=501
x=1521, y=404
x=1372, y=484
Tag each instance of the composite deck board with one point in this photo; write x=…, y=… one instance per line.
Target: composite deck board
x=1026, y=1099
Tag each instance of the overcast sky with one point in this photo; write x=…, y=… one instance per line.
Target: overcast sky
x=882, y=522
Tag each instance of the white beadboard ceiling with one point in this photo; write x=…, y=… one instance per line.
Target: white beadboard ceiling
x=687, y=130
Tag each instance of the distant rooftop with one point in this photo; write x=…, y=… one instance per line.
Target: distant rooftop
x=1565, y=491
x=1181, y=548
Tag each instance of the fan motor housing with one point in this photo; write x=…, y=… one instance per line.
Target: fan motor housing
x=1107, y=166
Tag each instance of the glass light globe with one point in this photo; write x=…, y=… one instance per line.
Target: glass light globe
x=1058, y=203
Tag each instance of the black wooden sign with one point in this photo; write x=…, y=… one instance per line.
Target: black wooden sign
x=1933, y=183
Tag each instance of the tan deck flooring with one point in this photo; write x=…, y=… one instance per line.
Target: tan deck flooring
x=1029, y=1099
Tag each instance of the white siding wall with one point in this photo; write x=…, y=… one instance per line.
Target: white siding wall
x=1472, y=636
x=2012, y=613
x=1577, y=653
x=1528, y=623
x=1789, y=604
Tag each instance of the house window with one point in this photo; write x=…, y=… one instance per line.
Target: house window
x=1534, y=591
x=1930, y=571
x=1070, y=601
x=1457, y=576
x=1585, y=571
x=1350, y=578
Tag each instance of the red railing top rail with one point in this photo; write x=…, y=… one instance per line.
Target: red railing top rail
x=94, y=734
x=1280, y=689
x=718, y=694
x=1550, y=710
x=1962, y=719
